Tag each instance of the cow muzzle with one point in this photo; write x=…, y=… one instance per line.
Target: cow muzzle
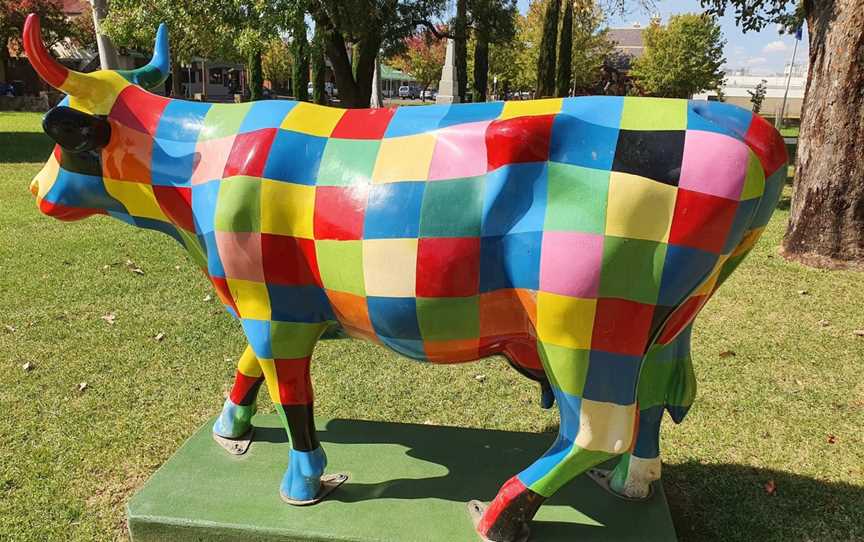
x=75, y=130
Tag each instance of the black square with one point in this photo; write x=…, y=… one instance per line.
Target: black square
x=656, y=155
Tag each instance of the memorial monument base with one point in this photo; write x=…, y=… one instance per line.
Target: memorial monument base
x=407, y=483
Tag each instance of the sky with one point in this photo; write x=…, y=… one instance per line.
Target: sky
x=763, y=53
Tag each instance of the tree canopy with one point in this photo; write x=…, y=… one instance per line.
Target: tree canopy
x=423, y=58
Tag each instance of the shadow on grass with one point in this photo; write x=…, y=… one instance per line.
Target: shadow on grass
x=785, y=203
x=18, y=147
x=708, y=502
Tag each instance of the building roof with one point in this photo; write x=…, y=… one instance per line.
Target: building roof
x=75, y=7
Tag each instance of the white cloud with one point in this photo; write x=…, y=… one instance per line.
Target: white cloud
x=775, y=47
x=756, y=60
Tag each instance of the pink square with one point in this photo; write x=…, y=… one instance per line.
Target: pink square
x=570, y=263
x=714, y=164
x=460, y=151
x=241, y=255
x=211, y=155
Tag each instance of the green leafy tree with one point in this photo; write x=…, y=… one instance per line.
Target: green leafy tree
x=757, y=95
x=55, y=25
x=565, y=52
x=546, y=56
x=300, y=54
x=591, y=46
x=319, y=91
x=423, y=58
x=276, y=63
x=493, y=23
x=682, y=58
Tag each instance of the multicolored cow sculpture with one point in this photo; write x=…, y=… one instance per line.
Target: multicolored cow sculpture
x=577, y=237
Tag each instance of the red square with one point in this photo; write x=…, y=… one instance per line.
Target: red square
x=448, y=266
x=702, y=220
x=767, y=143
x=683, y=315
x=521, y=139
x=339, y=212
x=176, y=203
x=293, y=381
x=621, y=326
x=249, y=153
x=363, y=123
x=224, y=293
x=138, y=109
x=289, y=260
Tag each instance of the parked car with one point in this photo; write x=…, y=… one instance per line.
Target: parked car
x=408, y=92
x=429, y=94
x=329, y=89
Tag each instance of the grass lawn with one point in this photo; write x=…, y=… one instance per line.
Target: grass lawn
x=787, y=409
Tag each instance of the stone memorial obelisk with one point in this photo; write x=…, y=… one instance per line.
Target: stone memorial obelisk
x=447, y=92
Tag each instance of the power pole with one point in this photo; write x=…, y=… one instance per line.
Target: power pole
x=108, y=59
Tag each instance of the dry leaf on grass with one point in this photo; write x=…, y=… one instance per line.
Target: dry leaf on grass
x=727, y=354
x=159, y=336
x=770, y=487
x=110, y=317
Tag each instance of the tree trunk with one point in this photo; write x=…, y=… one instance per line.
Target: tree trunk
x=4, y=57
x=256, y=77
x=546, y=59
x=107, y=53
x=300, y=66
x=319, y=92
x=481, y=67
x=826, y=226
x=460, y=48
x=565, y=52
x=176, y=79
x=203, y=80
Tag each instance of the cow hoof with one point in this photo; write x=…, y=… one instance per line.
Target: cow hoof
x=235, y=446
x=329, y=482
x=476, y=509
x=603, y=478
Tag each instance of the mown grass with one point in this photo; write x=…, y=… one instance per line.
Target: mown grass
x=787, y=408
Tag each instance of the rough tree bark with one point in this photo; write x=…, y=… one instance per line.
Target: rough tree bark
x=546, y=59
x=481, y=67
x=108, y=58
x=565, y=52
x=826, y=226
x=353, y=92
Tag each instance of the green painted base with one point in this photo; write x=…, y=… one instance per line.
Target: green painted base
x=407, y=483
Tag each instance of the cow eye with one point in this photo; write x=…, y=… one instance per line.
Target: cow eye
x=76, y=131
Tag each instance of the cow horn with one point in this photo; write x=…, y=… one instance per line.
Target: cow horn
x=55, y=74
x=156, y=71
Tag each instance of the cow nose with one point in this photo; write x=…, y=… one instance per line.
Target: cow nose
x=34, y=186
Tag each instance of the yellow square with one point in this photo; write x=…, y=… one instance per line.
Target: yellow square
x=138, y=198
x=707, y=287
x=404, y=158
x=526, y=108
x=287, y=208
x=98, y=99
x=312, y=119
x=390, y=267
x=565, y=321
x=748, y=242
x=754, y=182
x=640, y=113
x=47, y=176
x=251, y=298
x=639, y=208
x=605, y=427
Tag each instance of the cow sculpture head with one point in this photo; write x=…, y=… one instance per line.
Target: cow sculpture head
x=71, y=185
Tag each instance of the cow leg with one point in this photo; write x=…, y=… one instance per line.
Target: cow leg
x=591, y=431
x=636, y=470
x=236, y=417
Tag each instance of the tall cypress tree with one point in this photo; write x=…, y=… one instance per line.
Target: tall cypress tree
x=319, y=94
x=546, y=60
x=300, y=54
x=256, y=76
x=565, y=51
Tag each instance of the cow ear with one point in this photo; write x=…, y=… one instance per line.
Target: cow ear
x=76, y=131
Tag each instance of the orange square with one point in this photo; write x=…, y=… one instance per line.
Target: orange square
x=452, y=351
x=505, y=313
x=122, y=165
x=352, y=312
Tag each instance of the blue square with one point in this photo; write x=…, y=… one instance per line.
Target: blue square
x=648, y=437
x=294, y=157
x=612, y=378
x=182, y=120
x=214, y=262
x=411, y=348
x=684, y=270
x=514, y=199
x=416, y=120
x=603, y=111
x=158, y=225
x=743, y=218
x=258, y=335
x=582, y=143
x=462, y=113
x=394, y=317
x=393, y=210
x=82, y=191
x=204, y=198
x=172, y=162
x=510, y=261
x=265, y=114
x=299, y=304
x=718, y=117
x=769, y=199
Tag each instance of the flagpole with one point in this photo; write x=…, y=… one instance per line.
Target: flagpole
x=779, y=123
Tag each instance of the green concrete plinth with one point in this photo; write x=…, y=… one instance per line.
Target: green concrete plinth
x=407, y=483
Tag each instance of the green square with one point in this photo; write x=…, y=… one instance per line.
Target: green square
x=567, y=368
x=452, y=208
x=341, y=265
x=654, y=114
x=632, y=269
x=754, y=182
x=577, y=199
x=194, y=247
x=238, y=208
x=655, y=378
x=223, y=120
x=448, y=318
x=347, y=161
x=293, y=340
